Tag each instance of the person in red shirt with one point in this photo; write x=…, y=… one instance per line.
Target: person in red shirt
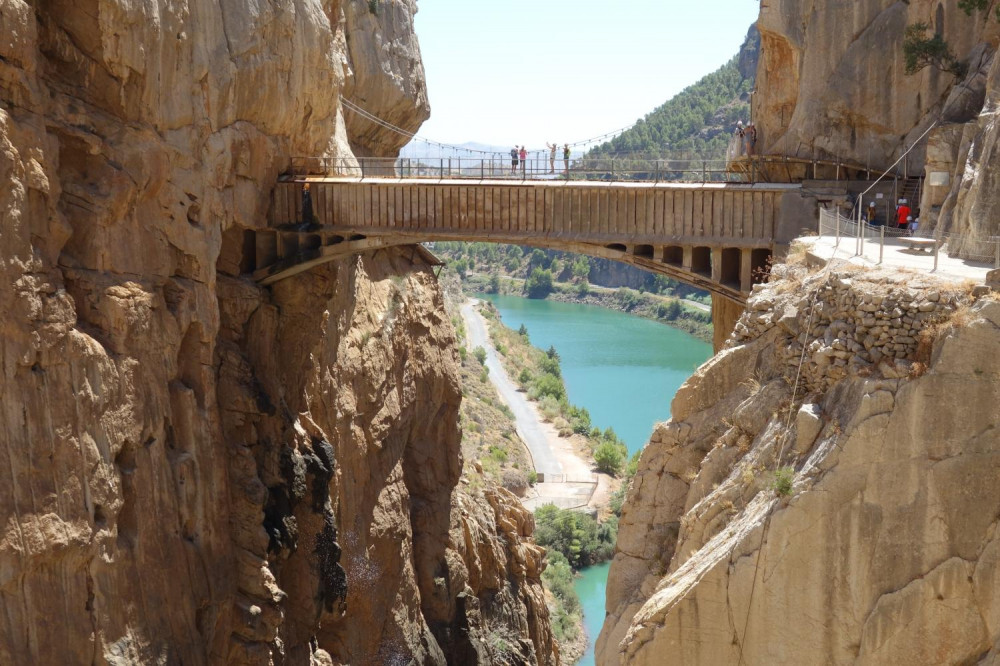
x=902, y=212
x=524, y=160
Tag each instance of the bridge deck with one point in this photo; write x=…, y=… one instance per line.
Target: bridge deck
x=714, y=235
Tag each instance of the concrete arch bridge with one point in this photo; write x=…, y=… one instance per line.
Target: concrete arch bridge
x=719, y=237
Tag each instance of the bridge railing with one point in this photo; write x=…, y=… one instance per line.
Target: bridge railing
x=500, y=167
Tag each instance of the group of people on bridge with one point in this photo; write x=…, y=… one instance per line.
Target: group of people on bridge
x=519, y=157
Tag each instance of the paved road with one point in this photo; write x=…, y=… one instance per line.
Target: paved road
x=528, y=426
x=696, y=304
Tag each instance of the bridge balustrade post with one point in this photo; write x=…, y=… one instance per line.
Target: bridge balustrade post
x=441, y=168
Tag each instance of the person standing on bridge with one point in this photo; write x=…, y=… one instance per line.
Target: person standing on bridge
x=513, y=161
x=566, y=158
x=307, y=206
x=751, y=133
x=524, y=160
x=552, y=156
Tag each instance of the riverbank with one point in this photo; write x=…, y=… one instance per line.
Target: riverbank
x=625, y=371
x=692, y=317
x=564, y=469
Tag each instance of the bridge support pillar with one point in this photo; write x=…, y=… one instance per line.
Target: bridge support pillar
x=746, y=269
x=688, y=258
x=725, y=313
x=717, y=258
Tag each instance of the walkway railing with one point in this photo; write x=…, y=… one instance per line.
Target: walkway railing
x=978, y=249
x=503, y=168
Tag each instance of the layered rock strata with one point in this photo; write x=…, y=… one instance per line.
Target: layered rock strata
x=826, y=489
x=199, y=470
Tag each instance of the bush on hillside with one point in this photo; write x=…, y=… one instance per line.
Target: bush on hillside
x=610, y=458
x=538, y=284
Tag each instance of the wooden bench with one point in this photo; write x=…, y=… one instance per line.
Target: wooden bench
x=916, y=243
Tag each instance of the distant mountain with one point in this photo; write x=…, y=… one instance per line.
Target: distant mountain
x=418, y=150
x=698, y=122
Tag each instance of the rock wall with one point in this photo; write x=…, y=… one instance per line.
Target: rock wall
x=877, y=542
x=199, y=470
x=832, y=83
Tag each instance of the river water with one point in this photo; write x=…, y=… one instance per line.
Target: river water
x=624, y=370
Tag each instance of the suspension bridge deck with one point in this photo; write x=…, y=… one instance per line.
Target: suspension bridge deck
x=717, y=236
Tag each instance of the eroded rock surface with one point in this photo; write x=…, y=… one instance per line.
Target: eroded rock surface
x=199, y=470
x=882, y=547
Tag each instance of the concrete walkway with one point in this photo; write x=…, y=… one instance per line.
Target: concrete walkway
x=897, y=255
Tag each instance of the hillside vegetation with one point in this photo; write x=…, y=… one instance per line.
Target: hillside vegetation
x=699, y=121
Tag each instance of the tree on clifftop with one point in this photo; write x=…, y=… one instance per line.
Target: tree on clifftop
x=920, y=51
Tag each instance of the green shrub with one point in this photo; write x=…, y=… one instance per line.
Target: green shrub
x=577, y=536
x=579, y=419
x=539, y=283
x=549, y=407
x=583, y=289
x=784, y=478
x=610, y=457
x=498, y=454
x=494, y=287
x=523, y=332
x=627, y=298
x=480, y=354
x=550, y=366
x=548, y=385
x=525, y=377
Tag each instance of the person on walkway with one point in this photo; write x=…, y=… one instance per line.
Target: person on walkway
x=566, y=157
x=751, y=133
x=872, y=214
x=741, y=137
x=552, y=156
x=902, y=212
x=307, y=207
x=513, y=161
x=524, y=160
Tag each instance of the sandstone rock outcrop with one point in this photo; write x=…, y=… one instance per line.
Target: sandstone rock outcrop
x=200, y=470
x=853, y=519
x=832, y=83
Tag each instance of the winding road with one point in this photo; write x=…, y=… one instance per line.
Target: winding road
x=527, y=424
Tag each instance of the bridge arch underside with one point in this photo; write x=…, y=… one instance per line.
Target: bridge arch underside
x=715, y=236
x=721, y=270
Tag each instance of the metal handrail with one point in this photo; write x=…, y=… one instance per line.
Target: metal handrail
x=503, y=168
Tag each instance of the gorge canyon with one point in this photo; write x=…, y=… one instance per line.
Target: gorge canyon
x=201, y=470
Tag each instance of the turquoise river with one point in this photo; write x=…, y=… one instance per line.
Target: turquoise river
x=624, y=370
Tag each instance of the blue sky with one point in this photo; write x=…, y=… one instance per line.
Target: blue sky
x=531, y=71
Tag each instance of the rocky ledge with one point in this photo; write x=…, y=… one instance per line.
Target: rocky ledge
x=826, y=491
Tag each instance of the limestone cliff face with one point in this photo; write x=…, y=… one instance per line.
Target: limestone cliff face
x=883, y=548
x=199, y=470
x=832, y=84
